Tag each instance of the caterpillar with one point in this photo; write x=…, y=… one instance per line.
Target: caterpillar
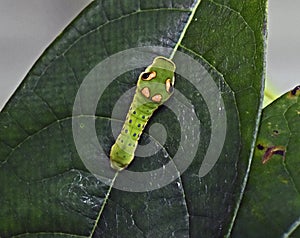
x=154, y=87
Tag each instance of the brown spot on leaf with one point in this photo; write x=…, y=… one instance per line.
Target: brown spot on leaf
x=275, y=132
x=295, y=90
x=273, y=150
x=260, y=147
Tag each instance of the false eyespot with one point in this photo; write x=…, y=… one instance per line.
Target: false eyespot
x=149, y=75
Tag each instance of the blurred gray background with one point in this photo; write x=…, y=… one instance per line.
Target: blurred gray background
x=28, y=27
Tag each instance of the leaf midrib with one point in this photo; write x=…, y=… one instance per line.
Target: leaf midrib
x=172, y=55
x=254, y=135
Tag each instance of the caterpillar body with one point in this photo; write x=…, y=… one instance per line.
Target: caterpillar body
x=154, y=87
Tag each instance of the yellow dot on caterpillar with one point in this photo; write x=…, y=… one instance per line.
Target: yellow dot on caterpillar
x=146, y=92
x=152, y=75
x=156, y=98
x=168, y=85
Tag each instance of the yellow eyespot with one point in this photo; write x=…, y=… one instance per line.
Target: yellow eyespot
x=169, y=86
x=149, y=75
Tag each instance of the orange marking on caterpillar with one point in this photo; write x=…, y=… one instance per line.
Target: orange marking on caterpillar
x=146, y=92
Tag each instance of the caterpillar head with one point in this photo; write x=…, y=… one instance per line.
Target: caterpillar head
x=157, y=82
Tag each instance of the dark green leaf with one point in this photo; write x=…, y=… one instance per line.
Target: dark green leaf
x=271, y=205
x=45, y=188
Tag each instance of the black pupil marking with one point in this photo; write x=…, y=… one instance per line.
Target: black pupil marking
x=143, y=117
x=145, y=75
x=134, y=112
x=139, y=125
x=134, y=134
x=130, y=121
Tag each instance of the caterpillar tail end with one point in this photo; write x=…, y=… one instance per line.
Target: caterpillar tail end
x=116, y=166
x=119, y=159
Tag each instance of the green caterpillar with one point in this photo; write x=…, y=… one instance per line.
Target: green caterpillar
x=154, y=87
